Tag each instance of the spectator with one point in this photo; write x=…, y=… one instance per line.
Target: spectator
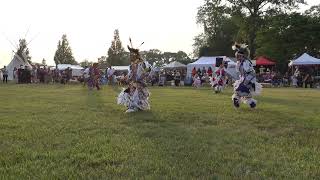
x=199, y=72
x=20, y=74
x=285, y=79
x=15, y=75
x=209, y=72
x=5, y=74
x=177, y=78
x=194, y=71
x=203, y=72
x=86, y=75
x=196, y=81
x=308, y=80
x=261, y=70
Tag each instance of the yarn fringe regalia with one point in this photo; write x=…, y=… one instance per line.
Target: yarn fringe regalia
x=136, y=96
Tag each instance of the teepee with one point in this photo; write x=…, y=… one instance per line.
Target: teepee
x=16, y=62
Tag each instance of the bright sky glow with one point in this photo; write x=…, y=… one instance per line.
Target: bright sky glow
x=168, y=25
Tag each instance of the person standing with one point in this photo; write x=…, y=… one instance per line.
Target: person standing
x=194, y=71
x=86, y=75
x=110, y=75
x=94, y=78
x=177, y=78
x=5, y=74
x=210, y=72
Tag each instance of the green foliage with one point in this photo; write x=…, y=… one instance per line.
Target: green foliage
x=63, y=53
x=253, y=11
x=23, y=51
x=287, y=36
x=85, y=63
x=314, y=11
x=116, y=53
x=234, y=20
x=158, y=58
x=182, y=57
x=219, y=30
x=66, y=132
x=153, y=56
x=44, y=62
x=103, y=63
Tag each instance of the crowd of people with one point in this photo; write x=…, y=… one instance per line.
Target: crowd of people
x=175, y=75
x=202, y=76
x=300, y=77
x=37, y=74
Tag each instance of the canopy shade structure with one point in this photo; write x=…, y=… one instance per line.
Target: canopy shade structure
x=174, y=64
x=121, y=68
x=77, y=70
x=16, y=62
x=305, y=59
x=207, y=62
x=264, y=61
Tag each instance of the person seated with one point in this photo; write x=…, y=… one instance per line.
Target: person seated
x=196, y=81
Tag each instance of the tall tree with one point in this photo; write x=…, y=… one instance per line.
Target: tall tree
x=116, y=52
x=103, y=61
x=219, y=29
x=23, y=51
x=287, y=36
x=153, y=56
x=235, y=20
x=44, y=62
x=63, y=54
x=182, y=57
x=314, y=11
x=85, y=63
x=253, y=11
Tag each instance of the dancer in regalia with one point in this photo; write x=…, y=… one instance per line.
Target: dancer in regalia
x=94, y=77
x=136, y=96
x=219, y=80
x=246, y=87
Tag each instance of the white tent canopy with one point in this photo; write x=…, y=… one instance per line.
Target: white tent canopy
x=16, y=62
x=121, y=68
x=77, y=70
x=305, y=59
x=207, y=62
x=174, y=64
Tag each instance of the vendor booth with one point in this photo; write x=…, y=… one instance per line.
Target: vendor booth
x=207, y=62
x=77, y=70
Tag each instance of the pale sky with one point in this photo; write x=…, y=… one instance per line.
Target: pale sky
x=168, y=25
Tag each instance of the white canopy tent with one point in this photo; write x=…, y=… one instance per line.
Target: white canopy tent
x=174, y=64
x=121, y=68
x=77, y=70
x=16, y=62
x=305, y=59
x=207, y=62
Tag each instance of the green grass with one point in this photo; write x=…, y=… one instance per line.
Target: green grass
x=67, y=132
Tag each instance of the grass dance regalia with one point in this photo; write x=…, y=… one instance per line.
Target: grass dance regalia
x=136, y=96
x=247, y=86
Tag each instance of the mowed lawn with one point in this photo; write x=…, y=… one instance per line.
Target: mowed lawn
x=67, y=132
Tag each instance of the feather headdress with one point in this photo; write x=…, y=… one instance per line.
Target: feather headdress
x=241, y=49
x=135, y=56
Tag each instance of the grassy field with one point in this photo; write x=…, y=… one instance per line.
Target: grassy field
x=66, y=132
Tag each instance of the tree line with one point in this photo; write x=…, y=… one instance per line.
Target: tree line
x=271, y=28
x=117, y=55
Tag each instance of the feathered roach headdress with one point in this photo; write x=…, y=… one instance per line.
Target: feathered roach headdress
x=135, y=56
x=241, y=49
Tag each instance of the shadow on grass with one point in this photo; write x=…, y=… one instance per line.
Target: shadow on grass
x=95, y=102
x=171, y=144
